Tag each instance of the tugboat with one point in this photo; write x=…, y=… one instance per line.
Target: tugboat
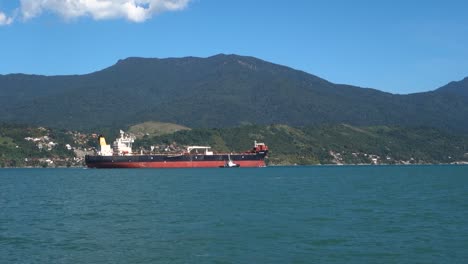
x=230, y=164
x=120, y=155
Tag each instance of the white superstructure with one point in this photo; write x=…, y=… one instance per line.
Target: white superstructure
x=121, y=146
x=196, y=148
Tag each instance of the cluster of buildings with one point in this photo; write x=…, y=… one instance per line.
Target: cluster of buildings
x=43, y=142
x=78, y=149
x=365, y=158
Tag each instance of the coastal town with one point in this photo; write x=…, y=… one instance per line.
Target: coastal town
x=48, y=148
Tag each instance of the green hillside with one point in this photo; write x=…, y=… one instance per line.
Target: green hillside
x=152, y=128
x=328, y=144
x=27, y=146
x=218, y=91
x=334, y=144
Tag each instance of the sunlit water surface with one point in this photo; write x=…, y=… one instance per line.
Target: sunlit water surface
x=350, y=214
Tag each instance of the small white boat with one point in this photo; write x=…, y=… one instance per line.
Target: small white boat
x=230, y=164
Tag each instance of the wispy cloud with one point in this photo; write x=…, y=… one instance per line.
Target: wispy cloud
x=4, y=19
x=131, y=10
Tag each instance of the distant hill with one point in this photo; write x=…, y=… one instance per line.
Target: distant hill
x=218, y=91
x=152, y=128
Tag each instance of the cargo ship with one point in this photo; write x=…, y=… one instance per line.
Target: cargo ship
x=120, y=155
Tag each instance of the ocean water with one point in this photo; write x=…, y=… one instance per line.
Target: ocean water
x=322, y=214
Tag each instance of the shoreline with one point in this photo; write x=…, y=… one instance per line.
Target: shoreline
x=463, y=163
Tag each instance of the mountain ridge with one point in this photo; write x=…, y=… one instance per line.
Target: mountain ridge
x=456, y=87
x=136, y=58
x=217, y=91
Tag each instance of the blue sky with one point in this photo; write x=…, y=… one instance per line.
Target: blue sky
x=395, y=46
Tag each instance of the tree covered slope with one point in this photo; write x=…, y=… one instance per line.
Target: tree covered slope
x=218, y=91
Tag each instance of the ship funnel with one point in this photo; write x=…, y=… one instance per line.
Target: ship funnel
x=105, y=150
x=102, y=141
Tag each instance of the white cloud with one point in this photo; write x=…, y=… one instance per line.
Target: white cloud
x=4, y=19
x=132, y=10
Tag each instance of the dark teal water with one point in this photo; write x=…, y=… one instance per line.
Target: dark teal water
x=356, y=214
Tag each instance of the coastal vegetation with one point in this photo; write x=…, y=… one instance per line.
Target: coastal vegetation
x=25, y=146
x=328, y=144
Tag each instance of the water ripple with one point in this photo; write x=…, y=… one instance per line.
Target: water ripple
x=403, y=214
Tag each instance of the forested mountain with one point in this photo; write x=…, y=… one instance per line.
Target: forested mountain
x=218, y=91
